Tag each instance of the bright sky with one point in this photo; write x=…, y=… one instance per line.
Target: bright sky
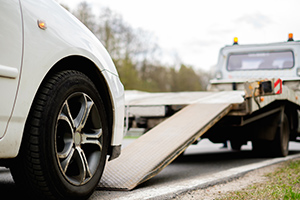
x=197, y=29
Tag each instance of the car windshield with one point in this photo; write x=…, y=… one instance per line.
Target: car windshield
x=260, y=61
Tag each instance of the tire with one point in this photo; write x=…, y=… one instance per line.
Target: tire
x=279, y=147
x=236, y=145
x=65, y=141
x=260, y=147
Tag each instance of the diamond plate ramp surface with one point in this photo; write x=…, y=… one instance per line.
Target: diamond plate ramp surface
x=150, y=153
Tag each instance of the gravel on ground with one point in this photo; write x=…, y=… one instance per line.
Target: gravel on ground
x=220, y=190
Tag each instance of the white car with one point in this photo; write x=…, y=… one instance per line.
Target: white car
x=62, y=103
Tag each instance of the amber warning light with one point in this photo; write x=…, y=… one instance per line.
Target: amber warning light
x=290, y=37
x=235, y=40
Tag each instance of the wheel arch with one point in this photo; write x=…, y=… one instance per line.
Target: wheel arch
x=291, y=111
x=89, y=68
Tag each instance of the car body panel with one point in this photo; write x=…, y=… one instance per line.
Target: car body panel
x=64, y=36
x=10, y=57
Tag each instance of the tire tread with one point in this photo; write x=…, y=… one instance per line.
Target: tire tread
x=30, y=156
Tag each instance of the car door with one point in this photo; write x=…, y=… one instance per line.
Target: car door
x=11, y=43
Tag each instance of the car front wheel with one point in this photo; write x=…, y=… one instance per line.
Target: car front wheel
x=64, y=147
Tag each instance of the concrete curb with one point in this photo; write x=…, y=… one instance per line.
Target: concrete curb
x=167, y=192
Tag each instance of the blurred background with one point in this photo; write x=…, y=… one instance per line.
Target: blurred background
x=173, y=45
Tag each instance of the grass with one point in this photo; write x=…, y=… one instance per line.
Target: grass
x=284, y=183
x=131, y=137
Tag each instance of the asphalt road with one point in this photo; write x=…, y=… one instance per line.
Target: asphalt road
x=199, y=161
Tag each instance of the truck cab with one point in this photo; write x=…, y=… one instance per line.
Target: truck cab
x=240, y=63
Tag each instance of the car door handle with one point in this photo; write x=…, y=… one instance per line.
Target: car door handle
x=8, y=72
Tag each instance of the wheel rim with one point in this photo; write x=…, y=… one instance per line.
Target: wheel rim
x=78, y=138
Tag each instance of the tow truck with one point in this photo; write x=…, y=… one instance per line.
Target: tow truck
x=254, y=97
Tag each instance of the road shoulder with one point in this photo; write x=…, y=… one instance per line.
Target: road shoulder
x=221, y=190
x=174, y=190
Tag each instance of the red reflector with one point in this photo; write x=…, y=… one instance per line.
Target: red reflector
x=278, y=86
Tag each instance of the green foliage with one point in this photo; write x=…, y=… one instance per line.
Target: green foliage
x=129, y=75
x=132, y=49
x=187, y=80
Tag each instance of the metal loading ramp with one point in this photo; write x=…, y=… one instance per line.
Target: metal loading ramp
x=150, y=153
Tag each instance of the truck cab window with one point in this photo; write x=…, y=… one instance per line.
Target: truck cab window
x=260, y=61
